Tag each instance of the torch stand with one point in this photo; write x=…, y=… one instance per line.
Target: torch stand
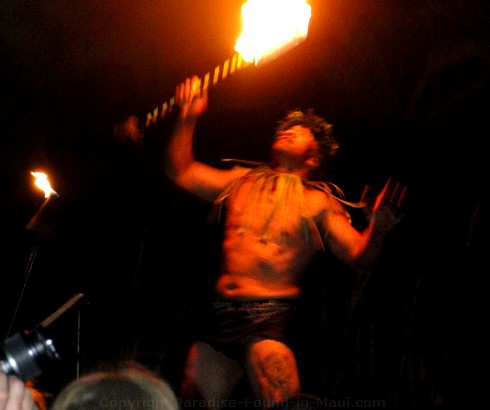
x=42, y=224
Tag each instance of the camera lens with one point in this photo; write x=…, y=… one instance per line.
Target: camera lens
x=24, y=354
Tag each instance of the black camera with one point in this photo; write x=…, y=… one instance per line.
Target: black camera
x=25, y=354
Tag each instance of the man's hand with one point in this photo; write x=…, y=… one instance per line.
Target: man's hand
x=192, y=98
x=387, y=205
x=14, y=394
x=391, y=195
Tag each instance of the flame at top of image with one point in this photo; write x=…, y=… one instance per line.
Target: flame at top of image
x=272, y=27
x=43, y=183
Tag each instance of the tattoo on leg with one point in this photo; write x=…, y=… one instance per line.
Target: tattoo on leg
x=277, y=370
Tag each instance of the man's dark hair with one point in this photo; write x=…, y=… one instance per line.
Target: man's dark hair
x=321, y=130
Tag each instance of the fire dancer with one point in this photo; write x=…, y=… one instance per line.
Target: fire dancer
x=277, y=219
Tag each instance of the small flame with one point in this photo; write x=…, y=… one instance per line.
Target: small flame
x=271, y=27
x=43, y=183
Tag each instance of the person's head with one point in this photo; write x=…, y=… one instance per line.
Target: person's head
x=131, y=387
x=304, y=139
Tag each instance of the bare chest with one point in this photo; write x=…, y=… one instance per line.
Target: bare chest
x=275, y=210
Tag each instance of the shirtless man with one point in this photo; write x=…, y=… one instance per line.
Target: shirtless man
x=276, y=220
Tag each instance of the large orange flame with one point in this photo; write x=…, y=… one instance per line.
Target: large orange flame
x=272, y=27
x=43, y=183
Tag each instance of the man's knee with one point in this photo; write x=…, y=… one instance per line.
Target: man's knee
x=209, y=374
x=273, y=370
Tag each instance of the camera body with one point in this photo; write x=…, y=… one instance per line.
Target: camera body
x=25, y=353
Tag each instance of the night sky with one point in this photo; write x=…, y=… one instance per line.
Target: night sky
x=406, y=85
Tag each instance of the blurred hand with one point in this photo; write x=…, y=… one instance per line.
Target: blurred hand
x=14, y=394
x=193, y=100
x=386, y=207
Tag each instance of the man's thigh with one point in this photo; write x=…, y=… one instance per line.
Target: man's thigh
x=273, y=372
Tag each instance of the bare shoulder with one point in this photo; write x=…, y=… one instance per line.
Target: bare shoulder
x=322, y=198
x=236, y=172
x=208, y=182
x=322, y=203
x=317, y=201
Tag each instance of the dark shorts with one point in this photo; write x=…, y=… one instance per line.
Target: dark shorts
x=234, y=324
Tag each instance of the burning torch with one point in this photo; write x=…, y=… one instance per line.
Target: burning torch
x=42, y=182
x=36, y=224
x=269, y=29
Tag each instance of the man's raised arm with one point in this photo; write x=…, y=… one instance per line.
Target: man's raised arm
x=198, y=178
x=179, y=156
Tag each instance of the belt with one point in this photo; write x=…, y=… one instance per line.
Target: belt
x=253, y=303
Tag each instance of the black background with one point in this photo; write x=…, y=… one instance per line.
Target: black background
x=406, y=85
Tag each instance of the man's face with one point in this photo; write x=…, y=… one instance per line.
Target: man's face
x=296, y=143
